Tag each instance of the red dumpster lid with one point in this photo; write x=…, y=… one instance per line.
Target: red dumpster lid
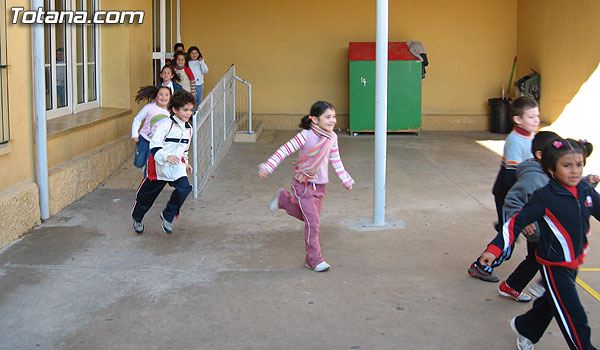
x=365, y=51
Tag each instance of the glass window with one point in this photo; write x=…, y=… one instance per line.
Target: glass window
x=71, y=61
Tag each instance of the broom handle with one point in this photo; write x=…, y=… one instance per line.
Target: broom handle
x=511, y=76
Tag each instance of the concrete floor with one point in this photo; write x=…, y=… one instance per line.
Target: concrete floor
x=231, y=275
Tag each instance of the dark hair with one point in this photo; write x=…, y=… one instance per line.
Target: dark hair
x=178, y=45
x=192, y=48
x=559, y=147
x=520, y=105
x=180, y=53
x=541, y=139
x=316, y=110
x=176, y=76
x=179, y=99
x=149, y=93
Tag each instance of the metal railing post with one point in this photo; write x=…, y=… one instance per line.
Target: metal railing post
x=212, y=131
x=250, y=130
x=195, y=137
x=224, y=111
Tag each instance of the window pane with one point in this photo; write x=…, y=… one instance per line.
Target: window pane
x=155, y=26
x=79, y=62
x=61, y=59
x=47, y=65
x=92, y=82
x=157, y=69
x=91, y=43
x=91, y=60
x=170, y=9
x=80, y=83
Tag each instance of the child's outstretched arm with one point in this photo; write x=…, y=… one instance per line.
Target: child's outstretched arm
x=533, y=211
x=338, y=166
x=288, y=148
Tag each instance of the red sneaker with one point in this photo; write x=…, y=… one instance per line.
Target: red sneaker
x=506, y=291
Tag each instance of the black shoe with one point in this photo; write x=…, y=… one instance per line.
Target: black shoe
x=476, y=271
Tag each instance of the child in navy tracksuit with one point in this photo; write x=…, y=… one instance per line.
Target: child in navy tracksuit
x=562, y=210
x=517, y=148
x=530, y=178
x=168, y=163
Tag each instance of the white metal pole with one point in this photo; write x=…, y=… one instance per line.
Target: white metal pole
x=381, y=76
x=39, y=112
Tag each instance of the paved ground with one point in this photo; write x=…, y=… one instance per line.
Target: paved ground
x=231, y=276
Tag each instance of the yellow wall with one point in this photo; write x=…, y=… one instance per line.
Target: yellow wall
x=559, y=39
x=296, y=52
x=17, y=165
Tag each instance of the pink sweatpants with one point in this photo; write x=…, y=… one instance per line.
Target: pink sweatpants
x=304, y=203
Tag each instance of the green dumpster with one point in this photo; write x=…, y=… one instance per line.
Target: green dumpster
x=404, y=88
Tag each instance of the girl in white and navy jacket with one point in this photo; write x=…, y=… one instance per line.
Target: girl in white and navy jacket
x=316, y=144
x=562, y=210
x=168, y=163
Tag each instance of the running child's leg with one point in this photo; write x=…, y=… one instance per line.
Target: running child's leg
x=145, y=197
x=182, y=190
x=289, y=203
x=568, y=311
x=562, y=302
x=526, y=270
x=310, y=205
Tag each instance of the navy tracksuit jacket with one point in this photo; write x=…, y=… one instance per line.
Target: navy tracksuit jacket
x=564, y=224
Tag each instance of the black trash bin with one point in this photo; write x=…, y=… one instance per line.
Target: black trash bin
x=501, y=123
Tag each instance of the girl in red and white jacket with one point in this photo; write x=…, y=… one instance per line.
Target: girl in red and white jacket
x=562, y=210
x=188, y=81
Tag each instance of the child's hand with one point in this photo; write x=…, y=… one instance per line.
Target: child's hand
x=593, y=179
x=136, y=139
x=349, y=188
x=173, y=160
x=487, y=258
x=262, y=173
x=529, y=229
x=189, y=168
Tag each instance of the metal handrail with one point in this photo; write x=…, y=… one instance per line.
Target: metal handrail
x=216, y=112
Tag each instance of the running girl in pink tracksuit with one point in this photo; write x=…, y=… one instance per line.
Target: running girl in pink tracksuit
x=316, y=144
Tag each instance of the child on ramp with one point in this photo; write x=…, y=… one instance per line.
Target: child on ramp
x=316, y=143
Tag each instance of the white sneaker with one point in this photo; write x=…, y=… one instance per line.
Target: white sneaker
x=536, y=288
x=324, y=266
x=274, y=205
x=138, y=226
x=523, y=343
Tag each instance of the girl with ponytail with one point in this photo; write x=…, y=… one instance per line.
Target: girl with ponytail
x=316, y=144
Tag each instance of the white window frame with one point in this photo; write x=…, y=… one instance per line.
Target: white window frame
x=159, y=23
x=4, y=121
x=72, y=104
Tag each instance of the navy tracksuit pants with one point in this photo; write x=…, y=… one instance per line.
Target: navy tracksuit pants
x=150, y=189
x=526, y=270
x=560, y=301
